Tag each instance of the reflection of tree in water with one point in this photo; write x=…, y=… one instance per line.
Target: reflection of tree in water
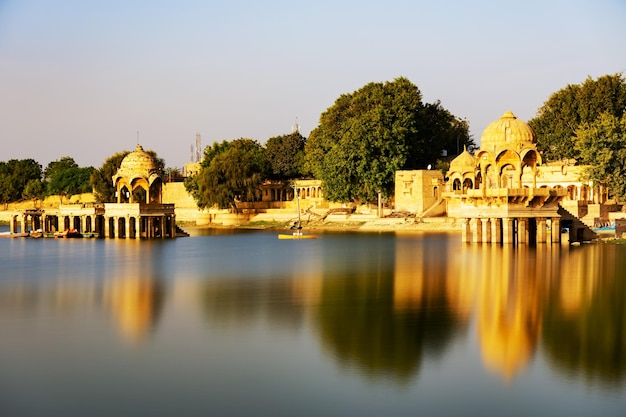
x=362, y=326
x=585, y=319
x=244, y=301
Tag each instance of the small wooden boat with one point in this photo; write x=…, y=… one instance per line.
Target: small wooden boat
x=297, y=226
x=12, y=235
x=35, y=234
x=296, y=236
x=90, y=234
x=68, y=233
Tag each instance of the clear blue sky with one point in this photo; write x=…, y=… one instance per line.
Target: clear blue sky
x=80, y=78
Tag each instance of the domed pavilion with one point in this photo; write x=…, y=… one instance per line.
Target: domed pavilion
x=495, y=191
x=138, y=180
x=139, y=212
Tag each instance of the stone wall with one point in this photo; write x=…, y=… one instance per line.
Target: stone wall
x=419, y=191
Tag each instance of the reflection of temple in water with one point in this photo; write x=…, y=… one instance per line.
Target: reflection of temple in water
x=508, y=309
x=135, y=303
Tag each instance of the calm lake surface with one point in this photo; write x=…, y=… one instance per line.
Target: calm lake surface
x=239, y=323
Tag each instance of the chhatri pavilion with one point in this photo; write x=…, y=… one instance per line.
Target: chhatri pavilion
x=138, y=212
x=499, y=193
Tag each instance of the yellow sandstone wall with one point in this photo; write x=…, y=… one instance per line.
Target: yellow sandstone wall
x=418, y=190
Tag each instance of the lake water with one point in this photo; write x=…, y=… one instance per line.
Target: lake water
x=240, y=323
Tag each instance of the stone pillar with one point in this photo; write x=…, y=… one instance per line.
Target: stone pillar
x=107, y=227
x=556, y=230
x=23, y=224
x=466, y=233
x=149, y=228
x=476, y=227
x=116, y=227
x=541, y=230
x=496, y=230
x=522, y=230
x=486, y=231
x=163, y=227
x=508, y=230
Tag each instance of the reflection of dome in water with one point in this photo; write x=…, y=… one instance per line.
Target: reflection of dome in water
x=508, y=132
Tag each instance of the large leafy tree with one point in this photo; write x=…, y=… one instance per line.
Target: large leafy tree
x=601, y=145
x=65, y=178
x=285, y=155
x=573, y=106
x=230, y=172
x=34, y=190
x=366, y=136
x=15, y=175
x=101, y=178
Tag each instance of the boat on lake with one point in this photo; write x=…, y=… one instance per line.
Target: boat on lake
x=12, y=234
x=296, y=235
x=297, y=226
x=68, y=233
x=35, y=234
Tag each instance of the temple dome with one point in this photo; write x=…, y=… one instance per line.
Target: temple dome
x=463, y=163
x=137, y=164
x=508, y=132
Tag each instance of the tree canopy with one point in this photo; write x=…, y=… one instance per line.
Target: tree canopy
x=14, y=177
x=285, y=155
x=572, y=107
x=231, y=171
x=366, y=136
x=601, y=146
x=101, y=179
x=65, y=178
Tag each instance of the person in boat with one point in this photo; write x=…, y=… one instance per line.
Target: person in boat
x=296, y=226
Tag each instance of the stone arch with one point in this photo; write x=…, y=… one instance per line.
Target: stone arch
x=491, y=177
x=155, y=191
x=456, y=184
x=572, y=192
x=531, y=158
x=468, y=184
x=507, y=176
x=140, y=194
x=584, y=193
x=479, y=180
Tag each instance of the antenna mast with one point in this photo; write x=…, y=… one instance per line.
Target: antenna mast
x=198, y=148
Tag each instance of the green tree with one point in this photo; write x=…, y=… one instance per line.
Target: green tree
x=14, y=175
x=444, y=132
x=34, y=190
x=601, y=145
x=569, y=108
x=234, y=174
x=191, y=183
x=101, y=179
x=285, y=155
x=65, y=178
x=7, y=189
x=366, y=136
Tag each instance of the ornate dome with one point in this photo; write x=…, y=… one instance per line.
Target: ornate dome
x=137, y=164
x=463, y=163
x=508, y=132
